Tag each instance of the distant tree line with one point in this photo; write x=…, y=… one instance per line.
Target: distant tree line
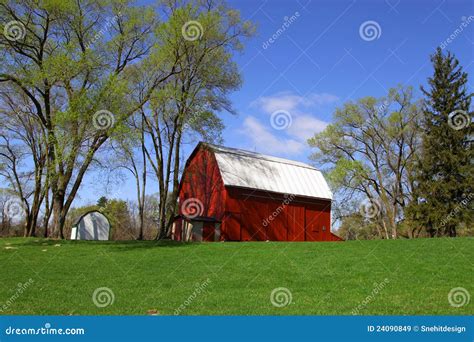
x=96, y=85
x=402, y=166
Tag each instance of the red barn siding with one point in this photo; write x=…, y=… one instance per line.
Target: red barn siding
x=334, y=237
x=202, y=181
x=231, y=227
x=296, y=228
x=274, y=217
x=208, y=231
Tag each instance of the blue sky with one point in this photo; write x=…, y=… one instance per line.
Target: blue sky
x=324, y=58
x=320, y=61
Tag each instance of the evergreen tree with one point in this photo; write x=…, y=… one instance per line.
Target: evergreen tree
x=102, y=202
x=445, y=170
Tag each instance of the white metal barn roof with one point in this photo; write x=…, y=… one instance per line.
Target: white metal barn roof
x=257, y=171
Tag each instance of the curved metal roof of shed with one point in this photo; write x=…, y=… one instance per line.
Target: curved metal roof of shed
x=253, y=170
x=81, y=216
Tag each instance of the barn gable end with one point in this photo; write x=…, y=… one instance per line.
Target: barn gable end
x=202, y=181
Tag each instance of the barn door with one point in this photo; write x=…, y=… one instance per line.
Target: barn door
x=312, y=225
x=296, y=223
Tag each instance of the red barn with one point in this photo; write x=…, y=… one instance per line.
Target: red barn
x=228, y=194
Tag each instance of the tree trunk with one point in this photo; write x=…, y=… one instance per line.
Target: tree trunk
x=33, y=219
x=393, y=222
x=26, y=231
x=174, y=192
x=46, y=218
x=58, y=217
x=141, y=200
x=451, y=231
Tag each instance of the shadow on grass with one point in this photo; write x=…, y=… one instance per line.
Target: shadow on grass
x=122, y=245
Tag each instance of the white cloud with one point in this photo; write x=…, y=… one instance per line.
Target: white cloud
x=322, y=99
x=291, y=102
x=264, y=140
x=291, y=140
x=270, y=104
x=304, y=127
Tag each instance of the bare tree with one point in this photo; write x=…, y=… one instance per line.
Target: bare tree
x=370, y=151
x=81, y=81
x=129, y=154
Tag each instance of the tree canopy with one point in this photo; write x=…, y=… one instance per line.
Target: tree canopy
x=78, y=72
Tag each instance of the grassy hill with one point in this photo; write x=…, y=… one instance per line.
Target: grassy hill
x=364, y=277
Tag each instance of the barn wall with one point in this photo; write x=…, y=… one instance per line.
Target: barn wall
x=253, y=215
x=201, y=180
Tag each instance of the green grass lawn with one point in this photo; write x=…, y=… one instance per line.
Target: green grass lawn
x=403, y=277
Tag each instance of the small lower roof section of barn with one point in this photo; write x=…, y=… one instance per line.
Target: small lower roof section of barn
x=228, y=194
